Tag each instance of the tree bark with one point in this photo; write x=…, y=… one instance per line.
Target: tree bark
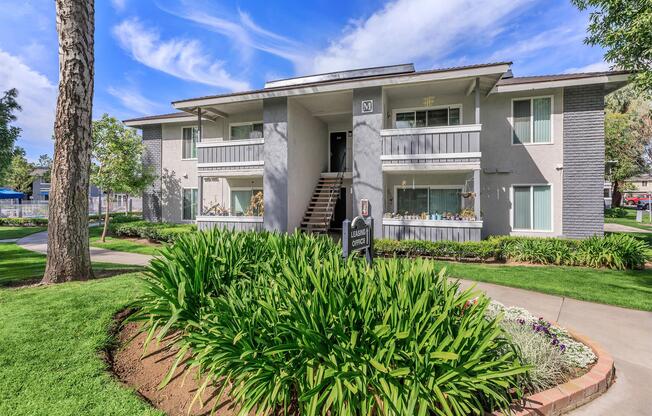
x=107, y=217
x=68, y=247
x=616, y=195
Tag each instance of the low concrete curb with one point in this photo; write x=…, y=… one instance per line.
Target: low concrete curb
x=574, y=393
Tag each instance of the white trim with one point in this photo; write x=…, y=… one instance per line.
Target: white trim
x=230, y=164
x=432, y=156
x=240, y=173
x=236, y=142
x=245, y=123
x=427, y=167
x=196, y=141
x=347, y=85
x=437, y=107
x=434, y=223
x=462, y=128
x=560, y=83
x=397, y=187
x=552, y=122
x=511, y=208
x=229, y=218
x=165, y=120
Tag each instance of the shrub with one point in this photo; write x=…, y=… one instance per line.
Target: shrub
x=292, y=327
x=617, y=251
x=469, y=250
x=617, y=212
x=162, y=232
x=24, y=222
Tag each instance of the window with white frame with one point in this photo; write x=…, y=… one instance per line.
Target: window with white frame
x=244, y=203
x=433, y=117
x=243, y=131
x=418, y=200
x=644, y=183
x=532, y=208
x=190, y=196
x=189, y=146
x=532, y=120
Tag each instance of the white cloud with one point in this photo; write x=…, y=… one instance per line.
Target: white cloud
x=36, y=95
x=182, y=58
x=119, y=5
x=246, y=33
x=599, y=66
x=410, y=30
x=133, y=100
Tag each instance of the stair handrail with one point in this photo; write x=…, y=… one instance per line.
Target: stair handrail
x=338, y=184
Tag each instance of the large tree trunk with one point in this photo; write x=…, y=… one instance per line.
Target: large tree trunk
x=68, y=252
x=616, y=195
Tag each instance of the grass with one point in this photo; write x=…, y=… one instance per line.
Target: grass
x=121, y=244
x=50, y=362
x=7, y=232
x=18, y=265
x=630, y=220
x=628, y=288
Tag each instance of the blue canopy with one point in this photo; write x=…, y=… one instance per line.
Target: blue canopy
x=9, y=194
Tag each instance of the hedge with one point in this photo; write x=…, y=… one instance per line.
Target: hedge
x=24, y=222
x=615, y=251
x=156, y=231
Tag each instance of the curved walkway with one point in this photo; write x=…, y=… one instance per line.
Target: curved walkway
x=39, y=242
x=625, y=333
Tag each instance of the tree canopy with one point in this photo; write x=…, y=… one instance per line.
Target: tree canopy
x=19, y=175
x=8, y=133
x=624, y=29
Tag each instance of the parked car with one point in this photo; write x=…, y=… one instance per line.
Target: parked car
x=633, y=200
x=643, y=204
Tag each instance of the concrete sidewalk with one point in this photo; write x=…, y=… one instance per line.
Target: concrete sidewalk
x=619, y=228
x=39, y=242
x=625, y=333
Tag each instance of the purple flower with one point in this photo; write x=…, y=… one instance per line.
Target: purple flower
x=562, y=347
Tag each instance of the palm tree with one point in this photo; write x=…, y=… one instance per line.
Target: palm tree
x=68, y=252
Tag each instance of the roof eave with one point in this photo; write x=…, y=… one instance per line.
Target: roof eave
x=617, y=80
x=413, y=78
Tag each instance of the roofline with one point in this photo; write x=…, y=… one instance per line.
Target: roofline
x=162, y=119
x=580, y=79
x=337, y=85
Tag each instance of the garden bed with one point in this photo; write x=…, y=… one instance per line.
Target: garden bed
x=145, y=369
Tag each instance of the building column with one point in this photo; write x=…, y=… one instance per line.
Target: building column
x=199, y=125
x=476, y=191
x=477, y=101
x=367, y=169
x=275, y=178
x=200, y=195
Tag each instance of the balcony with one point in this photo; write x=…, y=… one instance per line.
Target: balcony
x=432, y=230
x=217, y=157
x=431, y=148
x=235, y=223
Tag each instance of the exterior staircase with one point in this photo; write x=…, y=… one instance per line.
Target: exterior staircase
x=322, y=205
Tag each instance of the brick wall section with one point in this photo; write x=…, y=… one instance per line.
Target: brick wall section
x=153, y=141
x=583, y=203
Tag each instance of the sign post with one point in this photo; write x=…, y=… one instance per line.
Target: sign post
x=358, y=235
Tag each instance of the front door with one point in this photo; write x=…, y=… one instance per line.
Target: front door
x=338, y=151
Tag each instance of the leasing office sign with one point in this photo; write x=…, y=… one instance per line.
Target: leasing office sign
x=357, y=235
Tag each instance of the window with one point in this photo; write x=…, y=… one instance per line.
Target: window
x=532, y=120
x=447, y=116
x=429, y=200
x=246, y=131
x=189, y=203
x=189, y=148
x=644, y=183
x=242, y=204
x=532, y=208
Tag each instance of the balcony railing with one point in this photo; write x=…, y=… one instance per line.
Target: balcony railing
x=432, y=230
x=431, y=145
x=236, y=223
x=217, y=154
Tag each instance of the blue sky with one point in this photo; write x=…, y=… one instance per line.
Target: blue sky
x=151, y=52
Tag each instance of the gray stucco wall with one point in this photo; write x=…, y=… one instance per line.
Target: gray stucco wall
x=152, y=140
x=308, y=151
x=367, y=170
x=275, y=179
x=583, y=203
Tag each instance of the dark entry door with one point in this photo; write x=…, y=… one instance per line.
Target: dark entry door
x=339, y=215
x=338, y=151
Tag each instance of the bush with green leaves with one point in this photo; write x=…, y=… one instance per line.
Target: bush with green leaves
x=617, y=212
x=24, y=222
x=291, y=327
x=155, y=231
x=468, y=250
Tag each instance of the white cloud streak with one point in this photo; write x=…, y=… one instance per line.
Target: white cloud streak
x=599, y=66
x=37, y=95
x=181, y=58
x=412, y=30
x=134, y=100
x=119, y=5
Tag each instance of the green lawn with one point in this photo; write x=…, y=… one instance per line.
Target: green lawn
x=7, y=232
x=19, y=265
x=50, y=362
x=630, y=220
x=119, y=244
x=629, y=289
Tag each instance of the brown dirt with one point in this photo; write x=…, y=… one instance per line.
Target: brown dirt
x=145, y=370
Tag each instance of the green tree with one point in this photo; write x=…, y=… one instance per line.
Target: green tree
x=624, y=29
x=8, y=133
x=117, y=161
x=628, y=131
x=45, y=161
x=19, y=175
